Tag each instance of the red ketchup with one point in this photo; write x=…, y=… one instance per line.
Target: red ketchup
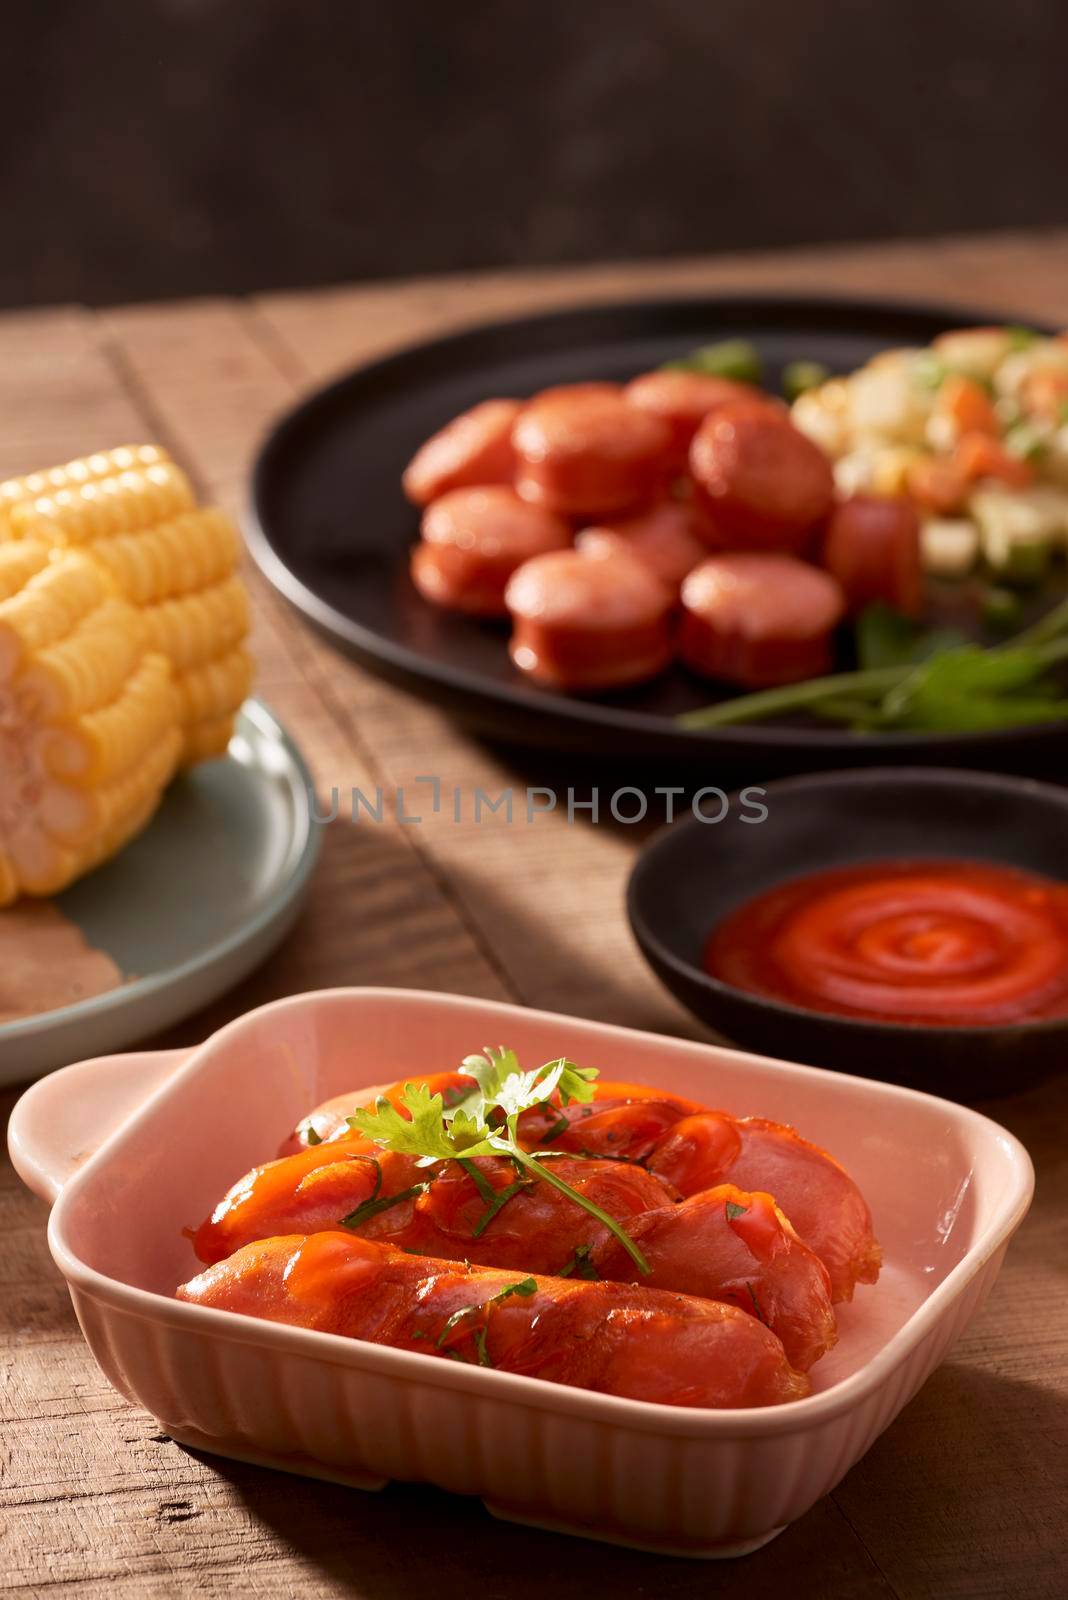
x=941, y=943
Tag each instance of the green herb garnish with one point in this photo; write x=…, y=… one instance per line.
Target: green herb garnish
x=1020, y=337
x=733, y=1210
x=580, y=1264
x=310, y=1135
x=499, y=1201
x=561, y=1125
x=956, y=688
x=526, y=1286
x=756, y=1306
x=374, y=1208
x=733, y=358
x=486, y=1123
x=800, y=376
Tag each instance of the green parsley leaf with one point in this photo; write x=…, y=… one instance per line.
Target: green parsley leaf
x=310, y=1135
x=424, y=1131
x=733, y=1210
x=737, y=359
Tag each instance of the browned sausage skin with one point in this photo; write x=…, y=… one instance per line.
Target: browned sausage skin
x=872, y=547
x=582, y=451
x=474, y=448
x=764, y=484
x=642, y=1344
x=758, y=619
x=587, y=621
x=473, y=540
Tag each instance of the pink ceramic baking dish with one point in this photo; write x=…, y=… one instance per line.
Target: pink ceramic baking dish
x=132, y=1148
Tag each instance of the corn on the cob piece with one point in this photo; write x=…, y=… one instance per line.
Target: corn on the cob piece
x=89, y=734
x=134, y=512
x=87, y=469
x=107, y=506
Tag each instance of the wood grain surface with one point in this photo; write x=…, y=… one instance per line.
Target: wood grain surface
x=964, y=1498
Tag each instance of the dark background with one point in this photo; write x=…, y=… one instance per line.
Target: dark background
x=170, y=147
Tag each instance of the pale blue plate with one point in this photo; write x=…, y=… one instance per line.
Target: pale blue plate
x=190, y=907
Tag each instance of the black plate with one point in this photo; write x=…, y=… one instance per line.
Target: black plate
x=331, y=529
x=691, y=875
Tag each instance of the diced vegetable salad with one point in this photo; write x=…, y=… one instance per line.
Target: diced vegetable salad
x=974, y=429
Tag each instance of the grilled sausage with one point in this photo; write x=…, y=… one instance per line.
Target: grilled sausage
x=582, y=451
x=473, y=540
x=764, y=484
x=759, y=619
x=872, y=547
x=589, y=621
x=473, y=449
x=643, y=1344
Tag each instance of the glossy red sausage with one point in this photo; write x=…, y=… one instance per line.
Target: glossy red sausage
x=759, y=619
x=764, y=484
x=643, y=1344
x=474, y=448
x=872, y=547
x=727, y=1246
x=589, y=621
x=666, y=538
x=473, y=540
x=683, y=400
x=582, y=451
x=820, y=1199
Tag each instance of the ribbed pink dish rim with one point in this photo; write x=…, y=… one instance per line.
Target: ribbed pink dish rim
x=530, y=1392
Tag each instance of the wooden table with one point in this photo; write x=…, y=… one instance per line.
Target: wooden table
x=965, y=1496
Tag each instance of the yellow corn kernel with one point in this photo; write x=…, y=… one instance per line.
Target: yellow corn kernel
x=214, y=690
x=89, y=734
x=104, y=507
x=172, y=558
x=198, y=628
x=87, y=469
x=204, y=741
x=18, y=563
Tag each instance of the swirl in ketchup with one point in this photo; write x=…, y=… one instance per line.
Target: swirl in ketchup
x=942, y=943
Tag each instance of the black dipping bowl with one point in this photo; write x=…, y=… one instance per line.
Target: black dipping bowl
x=693, y=873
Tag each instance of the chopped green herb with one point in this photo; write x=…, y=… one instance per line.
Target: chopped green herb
x=1021, y=337
x=580, y=1264
x=800, y=376
x=374, y=1208
x=500, y=1200
x=886, y=638
x=756, y=1305
x=1026, y=443
x=526, y=1286
x=560, y=1126
x=480, y=1181
x=733, y=358
x=310, y=1135
x=735, y=1210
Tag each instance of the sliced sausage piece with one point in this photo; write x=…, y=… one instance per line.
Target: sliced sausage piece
x=872, y=546
x=683, y=400
x=582, y=451
x=759, y=620
x=816, y=1194
x=474, y=448
x=473, y=540
x=666, y=538
x=589, y=622
x=764, y=484
x=644, y=1344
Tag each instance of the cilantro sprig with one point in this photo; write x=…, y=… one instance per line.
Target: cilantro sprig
x=485, y=1122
